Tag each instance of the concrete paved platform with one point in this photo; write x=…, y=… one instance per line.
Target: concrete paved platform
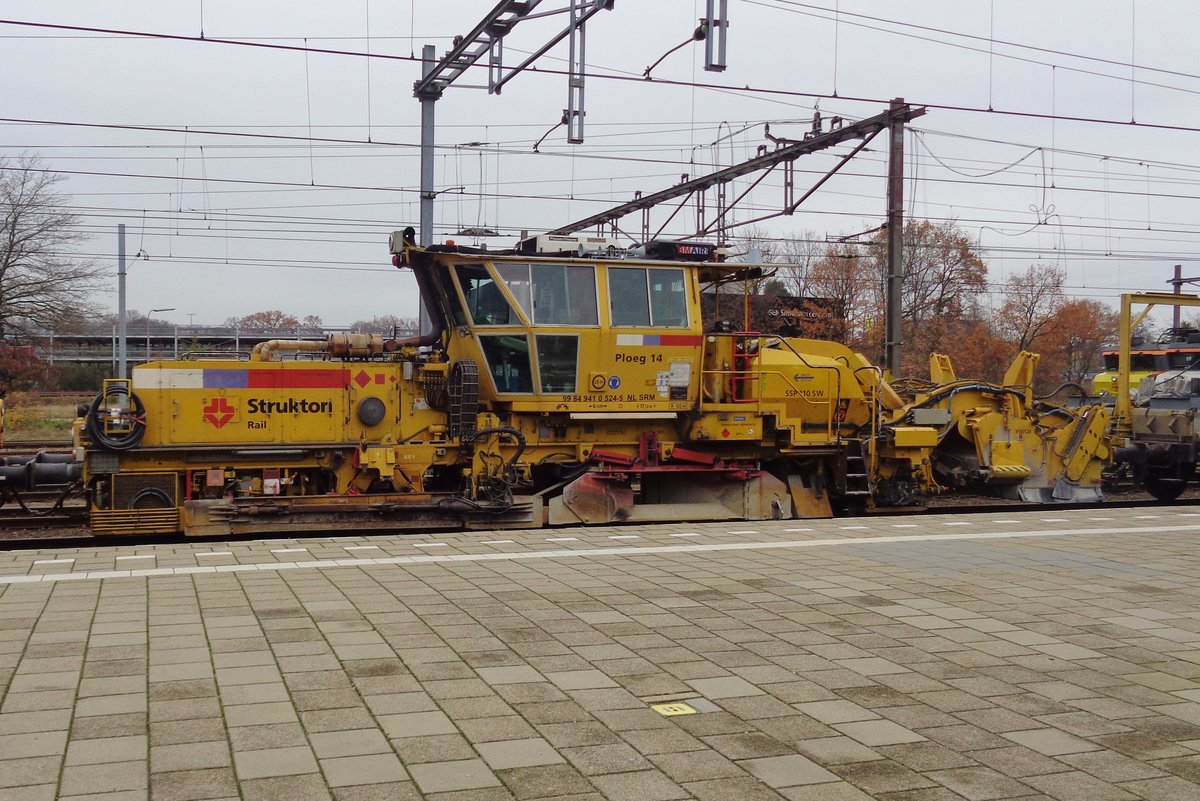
x=1053, y=654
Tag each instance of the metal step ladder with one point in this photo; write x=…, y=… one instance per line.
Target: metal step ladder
x=464, y=399
x=858, y=481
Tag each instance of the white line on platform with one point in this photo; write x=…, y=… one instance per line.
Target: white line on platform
x=53, y=561
x=137, y=556
x=853, y=528
x=214, y=553
x=1146, y=517
x=618, y=550
x=1006, y=521
x=1099, y=518
x=624, y=537
x=741, y=533
x=956, y=523
x=430, y=545
x=793, y=530
x=496, y=542
x=289, y=550
x=562, y=539
x=905, y=525
x=361, y=548
x=685, y=534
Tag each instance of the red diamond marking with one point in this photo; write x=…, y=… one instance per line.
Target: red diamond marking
x=725, y=432
x=362, y=379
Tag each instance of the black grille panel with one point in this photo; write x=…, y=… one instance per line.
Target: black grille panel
x=147, y=490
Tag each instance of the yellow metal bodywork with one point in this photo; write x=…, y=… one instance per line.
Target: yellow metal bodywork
x=998, y=437
x=278, y=403
x=1123, y=415
x=547, y=398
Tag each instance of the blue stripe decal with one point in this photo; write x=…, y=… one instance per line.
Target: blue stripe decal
x=650, y=339
x=226, y=379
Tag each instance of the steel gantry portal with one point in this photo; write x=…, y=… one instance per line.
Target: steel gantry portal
x=487, y=39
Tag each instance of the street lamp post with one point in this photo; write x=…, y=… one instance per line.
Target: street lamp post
x=152, y=311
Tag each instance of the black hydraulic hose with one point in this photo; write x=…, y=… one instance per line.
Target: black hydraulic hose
x=136, y=415
x=510, y=431
x=1066, y=385
x=70, y=490
x=428, y=294
x=949, y=392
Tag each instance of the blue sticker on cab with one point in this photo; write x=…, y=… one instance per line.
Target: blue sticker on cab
x=614, y=382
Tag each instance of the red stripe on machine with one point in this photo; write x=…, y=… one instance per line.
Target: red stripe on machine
x=679, y=339
x=299, y=379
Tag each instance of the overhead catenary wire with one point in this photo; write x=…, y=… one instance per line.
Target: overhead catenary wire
x=608, y=76
x=499, y=191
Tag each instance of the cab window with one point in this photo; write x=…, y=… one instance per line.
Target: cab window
x=628, y=298
x=553, y=294
x=485, y=301
x=516, y=278
x=1184, y=360
x=655, y=297
x=508, y=361
x=558, y=362
x=668, y=301
x=564, y=294
x=1142, y=361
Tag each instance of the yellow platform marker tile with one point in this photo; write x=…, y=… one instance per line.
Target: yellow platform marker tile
x=670, y=710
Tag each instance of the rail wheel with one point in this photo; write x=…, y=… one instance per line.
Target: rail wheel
x=1167, y=482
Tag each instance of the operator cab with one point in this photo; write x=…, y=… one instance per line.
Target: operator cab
x=607, y=331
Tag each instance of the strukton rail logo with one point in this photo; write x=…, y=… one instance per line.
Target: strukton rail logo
x=218, y=412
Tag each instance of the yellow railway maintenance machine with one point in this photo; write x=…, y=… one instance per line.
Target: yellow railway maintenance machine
x=558, y=389
x=1157, y=429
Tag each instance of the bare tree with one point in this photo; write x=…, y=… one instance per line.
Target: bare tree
x=266, y=320
x=787, y=261
x=41, y=279
x=1031, y=303
x=944, y=279
x=798, y=253
x=943, y=272
x=839, y=277
x=385, y=324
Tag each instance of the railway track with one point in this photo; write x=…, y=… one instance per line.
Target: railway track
x=15, y=447
x=67, y=528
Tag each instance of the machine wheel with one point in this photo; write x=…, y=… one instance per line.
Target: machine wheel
x=1167, y=482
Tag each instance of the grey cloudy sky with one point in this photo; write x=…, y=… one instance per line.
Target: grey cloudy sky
x=236, y=224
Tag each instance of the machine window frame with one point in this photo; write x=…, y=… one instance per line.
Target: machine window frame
x=524, y=297
x=681, y=296
x=489, y=353
x=514, y=315
x=530, y=281
x=612, y=298
x=541, y=376
x=649, y=297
